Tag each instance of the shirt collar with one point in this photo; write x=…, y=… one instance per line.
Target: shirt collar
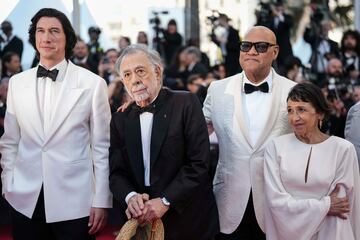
x=61, y=66
x=10, y=38
x=191, y=66
x=268, y=79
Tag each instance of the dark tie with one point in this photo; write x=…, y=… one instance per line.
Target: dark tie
x=42, y=72
x=149, y=108
x=249, y=88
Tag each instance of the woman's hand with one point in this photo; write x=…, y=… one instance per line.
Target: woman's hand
x=338, y=206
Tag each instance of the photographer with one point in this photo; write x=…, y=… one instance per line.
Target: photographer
x=95, y=50
x=123, y=43
x=228, y=41
x=142, y=38
x=172, y=41
x=81, y=57
x=339, y=97
x=8, y=41
x=274, y=17
x=350, y=53
x=11, y=64
x=323, y=48
x=106, y=68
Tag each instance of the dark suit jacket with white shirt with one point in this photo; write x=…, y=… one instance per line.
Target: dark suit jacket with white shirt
x=179, y=161
x=15, y=45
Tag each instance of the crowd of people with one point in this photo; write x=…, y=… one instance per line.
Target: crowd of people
x=276, y=165
x=333, y=67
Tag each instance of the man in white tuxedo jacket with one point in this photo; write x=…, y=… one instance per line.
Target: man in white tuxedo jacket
x=55, y=146
x=246, y=111
x=352, y=127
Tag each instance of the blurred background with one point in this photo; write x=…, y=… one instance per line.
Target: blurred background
x=199, y=42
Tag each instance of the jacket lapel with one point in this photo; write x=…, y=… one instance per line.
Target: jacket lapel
x=32, y=104
x=133, y=145
x=274, y=112
x=67, y=99
x=161, y=123
x=234, y=88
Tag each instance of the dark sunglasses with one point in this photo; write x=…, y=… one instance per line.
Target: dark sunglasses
x=260, y=47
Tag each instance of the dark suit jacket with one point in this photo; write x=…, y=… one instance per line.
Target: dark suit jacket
x=199, y=69
x=233, y=51
x=282, y=33
x=90, y=64
x=15, y=45
x=179, y=164
x=314, y=40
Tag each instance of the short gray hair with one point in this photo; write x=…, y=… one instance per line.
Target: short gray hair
x=153, y=56
x=194, y=51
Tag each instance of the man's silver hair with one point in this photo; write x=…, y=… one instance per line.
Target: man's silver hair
x=153, y=56
x=195, y=51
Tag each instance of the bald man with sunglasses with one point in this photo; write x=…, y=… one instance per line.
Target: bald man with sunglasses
x=246, y=111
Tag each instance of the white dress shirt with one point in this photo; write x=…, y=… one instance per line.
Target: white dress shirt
x=6, y=40
x=323, y=48
x=48, y=92
x=146, y=123
x=278, y=19
x=257, y=105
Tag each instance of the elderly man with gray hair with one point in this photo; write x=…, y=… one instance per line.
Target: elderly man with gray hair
x=159, y=152
x=193, y=62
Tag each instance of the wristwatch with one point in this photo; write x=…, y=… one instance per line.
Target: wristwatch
x=165, y=201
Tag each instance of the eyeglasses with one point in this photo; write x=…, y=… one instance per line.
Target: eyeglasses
x=260, y=47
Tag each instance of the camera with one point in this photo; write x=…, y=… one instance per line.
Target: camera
x=156, y=20
x=212, y=19
x=157, y=41
x=317, y=16
x=264, y=14
x=105, y=60
x=94, y=30
x=319, y=13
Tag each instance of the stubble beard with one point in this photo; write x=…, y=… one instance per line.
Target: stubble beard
x=140, y=96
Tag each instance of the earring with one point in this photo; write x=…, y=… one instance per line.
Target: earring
x=320, y=123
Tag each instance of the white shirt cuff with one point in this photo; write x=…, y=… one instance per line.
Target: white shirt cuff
x=130, y=194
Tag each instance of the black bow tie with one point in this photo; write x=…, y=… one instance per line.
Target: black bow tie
x=149, y=108
x=249, y=88
x=42, y=72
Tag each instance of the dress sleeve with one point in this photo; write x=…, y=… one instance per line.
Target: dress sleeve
x=347, y=174
x=285, y=216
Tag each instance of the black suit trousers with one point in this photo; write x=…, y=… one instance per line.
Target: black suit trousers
x=36, y=228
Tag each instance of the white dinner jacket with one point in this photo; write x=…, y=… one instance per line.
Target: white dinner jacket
x=352, y=127
x=70, y=160
x=240, y=165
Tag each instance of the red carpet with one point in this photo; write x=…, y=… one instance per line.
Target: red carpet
x=105, y=234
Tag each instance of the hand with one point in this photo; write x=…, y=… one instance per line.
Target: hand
x=210, y=128
x=338, y=206
x=97, y=220
x=275, y=12
x=154, y=209
x=123, y=107
x=136, y=205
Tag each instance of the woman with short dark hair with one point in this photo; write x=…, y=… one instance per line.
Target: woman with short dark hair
x=312, y=183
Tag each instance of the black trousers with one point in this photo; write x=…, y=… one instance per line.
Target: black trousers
x=36, y=228
x=248, y=228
